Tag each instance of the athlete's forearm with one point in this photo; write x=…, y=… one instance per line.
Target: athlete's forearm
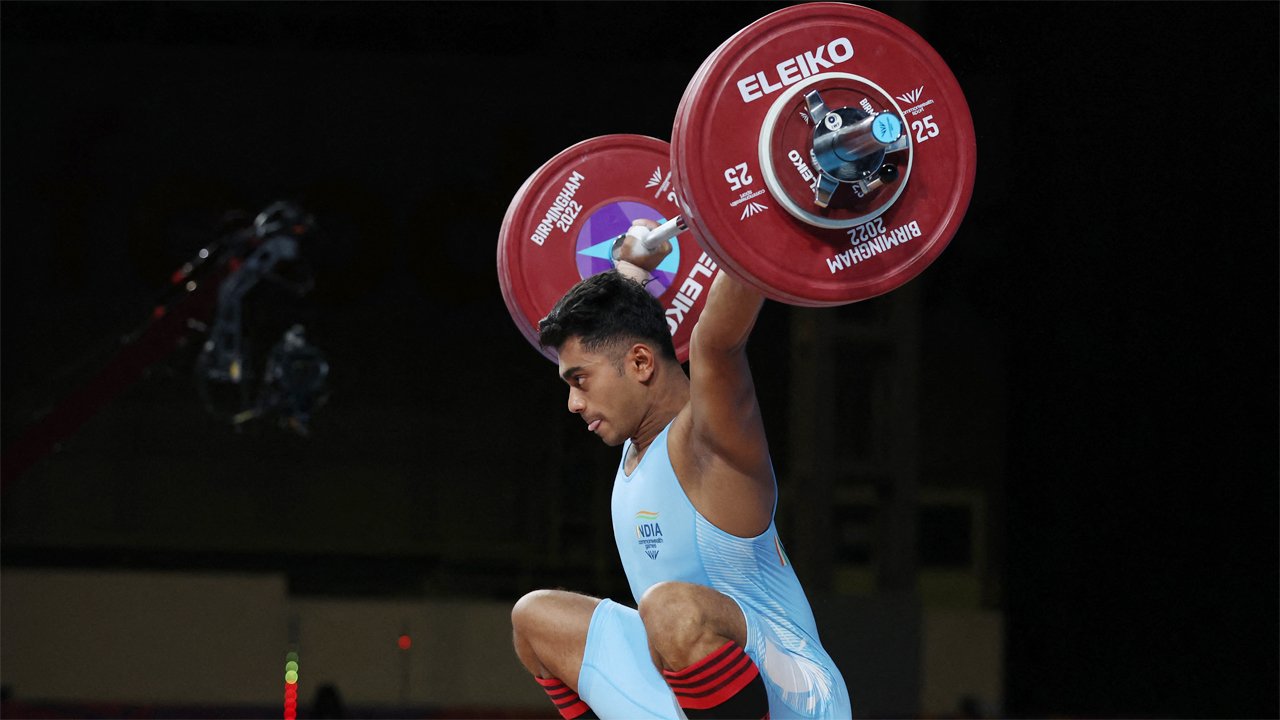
x=729, y=315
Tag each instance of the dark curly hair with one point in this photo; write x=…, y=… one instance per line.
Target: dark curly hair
x=605, y=310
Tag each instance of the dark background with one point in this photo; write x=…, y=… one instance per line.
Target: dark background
x=1121, y=240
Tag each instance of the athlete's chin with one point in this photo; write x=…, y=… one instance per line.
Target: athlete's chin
x=612, y=441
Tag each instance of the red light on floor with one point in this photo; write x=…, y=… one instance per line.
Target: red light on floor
x=405, y=642
x=291, y=702
x=291, y=686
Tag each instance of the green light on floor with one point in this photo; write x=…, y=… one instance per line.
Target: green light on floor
x=292, y=666
x=291, y=677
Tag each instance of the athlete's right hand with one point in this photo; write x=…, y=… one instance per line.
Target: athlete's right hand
x=632, y=248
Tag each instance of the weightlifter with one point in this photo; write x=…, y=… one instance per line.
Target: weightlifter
x=723, y=628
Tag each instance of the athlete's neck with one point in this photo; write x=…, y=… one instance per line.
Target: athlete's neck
x=670, y=394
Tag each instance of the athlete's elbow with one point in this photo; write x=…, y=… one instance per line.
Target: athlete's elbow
x=718, y=340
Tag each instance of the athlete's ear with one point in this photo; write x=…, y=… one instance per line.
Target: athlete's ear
x=641, y=360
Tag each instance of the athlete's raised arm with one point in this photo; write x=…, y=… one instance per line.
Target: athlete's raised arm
x=726, y=435
x=718, y=445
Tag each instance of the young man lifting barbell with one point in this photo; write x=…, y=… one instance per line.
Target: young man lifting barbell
x=722, y=627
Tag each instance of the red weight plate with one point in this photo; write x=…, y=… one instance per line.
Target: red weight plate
x=560, y=226
x=723, y=129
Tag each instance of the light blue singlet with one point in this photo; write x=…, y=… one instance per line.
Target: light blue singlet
x=661, y=537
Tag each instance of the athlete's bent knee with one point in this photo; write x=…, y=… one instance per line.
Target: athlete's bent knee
x=525, y=617
x=671, y=609
x=529, y=608
x=670, y=597
x=526, y=604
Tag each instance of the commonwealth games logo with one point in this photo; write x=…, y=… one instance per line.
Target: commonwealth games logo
x=648, y=533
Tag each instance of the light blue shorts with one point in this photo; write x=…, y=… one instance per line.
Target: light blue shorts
x=618, y=678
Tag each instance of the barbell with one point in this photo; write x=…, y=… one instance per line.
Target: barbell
x=824, y=155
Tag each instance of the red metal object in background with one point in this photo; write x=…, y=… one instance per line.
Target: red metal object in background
x=204, y=297
x=194, y=298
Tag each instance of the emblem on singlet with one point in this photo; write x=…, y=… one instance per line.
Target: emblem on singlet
x=648, y=533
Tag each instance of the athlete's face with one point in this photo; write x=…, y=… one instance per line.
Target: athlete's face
x=603, y=390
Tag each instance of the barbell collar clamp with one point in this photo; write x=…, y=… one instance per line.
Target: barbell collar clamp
x=825, y=189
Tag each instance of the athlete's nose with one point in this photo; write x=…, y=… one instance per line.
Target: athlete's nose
x=576, y=404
